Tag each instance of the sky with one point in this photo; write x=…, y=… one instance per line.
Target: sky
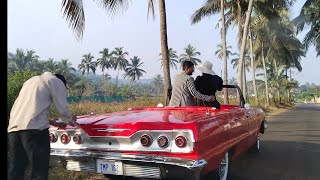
x=40, y=25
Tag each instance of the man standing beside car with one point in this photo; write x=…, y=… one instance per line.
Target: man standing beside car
x=184, y=90
x=28, y=135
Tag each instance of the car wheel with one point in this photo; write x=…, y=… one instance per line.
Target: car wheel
x=256, y=147
x=222, y=172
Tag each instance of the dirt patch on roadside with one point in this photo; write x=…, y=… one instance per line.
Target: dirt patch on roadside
x=271, y=111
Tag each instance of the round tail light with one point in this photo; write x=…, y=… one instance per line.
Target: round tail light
x=181, y=141
x=53, y=137
x=146, y=140
x=163, y=141
x=77, y=139
x=65, y=139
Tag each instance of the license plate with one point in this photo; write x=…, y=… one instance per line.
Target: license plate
x=109, y=167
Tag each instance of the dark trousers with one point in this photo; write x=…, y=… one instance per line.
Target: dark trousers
x=32, y=146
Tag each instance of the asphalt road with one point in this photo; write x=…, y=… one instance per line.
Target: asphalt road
x=290, y=148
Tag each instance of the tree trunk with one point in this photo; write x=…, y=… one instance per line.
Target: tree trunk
x=103, y=77
x=117, y=78
x=243, y=43
x=164, y=49
x=224, y=51
x=277, y=79
x=244, y=85
x=253, y=68
x=239, y=19
x=289, y=95
x=265, y=76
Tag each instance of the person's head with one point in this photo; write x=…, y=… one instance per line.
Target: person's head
x=61, y=77
x=188, y=67
x=206, y=68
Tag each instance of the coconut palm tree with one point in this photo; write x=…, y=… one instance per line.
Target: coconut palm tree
x=310, y=16
x=50, y=65
x=253, y=67
x=243, y=45
x=64, y=67
x=20, y=60
x=235, y=11
x=173, y=58
x=36, y=65
x=105, y=62
x=87, y=64
x=224, y=50
x=235, y=63
x=281, y=48
x=219, y=52
x=119, y=61
x=74, y=14
x=277, y=80
x=233, y=81
x=270, y=9
x=157, y=84
x=190, y=55
x=133, y=71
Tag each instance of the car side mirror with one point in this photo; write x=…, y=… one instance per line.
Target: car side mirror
x=247, y=106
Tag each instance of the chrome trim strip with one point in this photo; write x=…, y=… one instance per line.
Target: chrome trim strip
x=108, y=130
x=187, y=163
x=141, y=171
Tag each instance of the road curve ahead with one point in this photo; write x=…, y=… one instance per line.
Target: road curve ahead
x=290, y=148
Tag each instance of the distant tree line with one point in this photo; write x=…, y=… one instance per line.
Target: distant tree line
x=307, y=92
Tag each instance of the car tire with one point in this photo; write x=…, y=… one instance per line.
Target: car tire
x=223, y=170
x=255, y=148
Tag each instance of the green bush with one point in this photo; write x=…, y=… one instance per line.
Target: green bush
x=15, y=82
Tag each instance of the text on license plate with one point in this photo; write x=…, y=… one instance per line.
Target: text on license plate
x=109, y=167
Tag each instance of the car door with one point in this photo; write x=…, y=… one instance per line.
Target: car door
x=239, y=125
x=253, y=126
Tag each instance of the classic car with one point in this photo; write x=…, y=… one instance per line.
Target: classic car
x=161, y=142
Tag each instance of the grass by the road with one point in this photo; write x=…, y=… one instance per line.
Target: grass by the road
x=272, y=110
x=57, y=172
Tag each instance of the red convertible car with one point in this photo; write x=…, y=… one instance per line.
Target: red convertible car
x=161, y=142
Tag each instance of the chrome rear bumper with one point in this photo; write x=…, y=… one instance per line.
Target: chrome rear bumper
x=137, y=165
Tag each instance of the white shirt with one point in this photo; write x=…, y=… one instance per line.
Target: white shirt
x=31, y=109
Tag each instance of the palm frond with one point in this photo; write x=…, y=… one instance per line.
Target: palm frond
x=151, y=8
x=209, y=8
x=113, y=6
x=74, y=13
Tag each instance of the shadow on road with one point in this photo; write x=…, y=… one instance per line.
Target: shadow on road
x=279, y=160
